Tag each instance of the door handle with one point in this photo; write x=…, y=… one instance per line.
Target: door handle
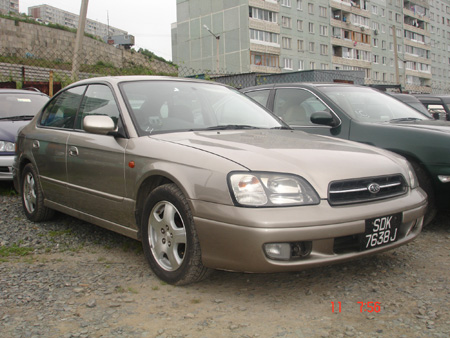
x=73, y=151
x=36, y=144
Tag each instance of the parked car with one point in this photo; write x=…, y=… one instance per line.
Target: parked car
x=368, y=116
x=206, y=178
x=17, y=108
x=411, y=101
x=437, y=105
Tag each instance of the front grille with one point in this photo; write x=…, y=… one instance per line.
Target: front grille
x=366, y=189
x=4, y=170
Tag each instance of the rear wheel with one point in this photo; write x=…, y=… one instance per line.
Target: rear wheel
x=169, y=238
x=427, y=185
x=33, y=196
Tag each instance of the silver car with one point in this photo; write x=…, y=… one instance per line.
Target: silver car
x=17, y=108
x=208, y=179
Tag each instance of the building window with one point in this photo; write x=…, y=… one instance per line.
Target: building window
x=312, y=47
x=311, y=27
x=323, y=30
x=285, y=3
x=375, y=58
x=261, y=59
x=299, y=5
x=261, y=14
x=300, y=25
x=301, y=65
x=263, y=36
x=324, y=66
x=286, y=43
x=287, y=63
x=323, y=11
x=323, y=49
x=300, y=45
x=312, y=65
x=375, y=42
x=311, y=8
x=286, y=22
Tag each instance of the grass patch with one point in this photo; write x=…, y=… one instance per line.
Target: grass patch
x=57, y=233
x=14, y=250
x=7, y=189
x=131, y=290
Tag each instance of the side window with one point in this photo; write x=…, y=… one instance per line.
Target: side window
x=295, y=106
x=260, y=96
x=98, y=100
x=61, y=111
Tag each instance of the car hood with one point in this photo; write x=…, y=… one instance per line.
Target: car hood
x=9, y=129
x=430, y=125
x=319, y=159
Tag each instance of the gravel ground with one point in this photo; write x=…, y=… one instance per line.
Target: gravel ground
x=68, y=278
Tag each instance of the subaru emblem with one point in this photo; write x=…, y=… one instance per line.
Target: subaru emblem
x=374, y=188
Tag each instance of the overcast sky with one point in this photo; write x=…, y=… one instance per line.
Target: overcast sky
x=148, y=20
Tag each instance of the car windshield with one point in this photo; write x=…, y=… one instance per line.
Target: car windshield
x=169, y=106
x=16, y=105
x=370, y=105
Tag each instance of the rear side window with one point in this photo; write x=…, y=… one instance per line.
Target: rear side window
x=260, y=96
x=62, y=110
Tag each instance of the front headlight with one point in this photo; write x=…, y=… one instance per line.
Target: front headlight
x=270, y=189
x=413, y=182
x=7, y=146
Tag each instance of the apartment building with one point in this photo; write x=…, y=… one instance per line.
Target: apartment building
x=403, y=42
x=46, y=13
x=7, y=6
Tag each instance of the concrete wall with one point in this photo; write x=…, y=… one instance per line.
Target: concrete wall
x=26, y=40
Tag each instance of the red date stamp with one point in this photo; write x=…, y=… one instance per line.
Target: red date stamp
x=369, y=307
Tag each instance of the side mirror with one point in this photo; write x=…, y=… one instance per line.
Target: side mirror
x=99, y=124
x=323, y=117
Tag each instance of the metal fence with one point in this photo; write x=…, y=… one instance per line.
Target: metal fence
x=36, y=64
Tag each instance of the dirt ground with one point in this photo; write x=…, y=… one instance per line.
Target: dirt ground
x=101, y=286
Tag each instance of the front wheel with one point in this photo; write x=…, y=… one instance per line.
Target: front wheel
x=33, y=196
x=169, y=238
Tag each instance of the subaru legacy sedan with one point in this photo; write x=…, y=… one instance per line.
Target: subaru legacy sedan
x=368, y=116
x=208, y=179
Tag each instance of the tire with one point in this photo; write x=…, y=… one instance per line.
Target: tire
x=33, y=196
x=427, y=185
x=169, y=239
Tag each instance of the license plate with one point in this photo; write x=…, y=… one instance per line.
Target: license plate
x=381, y=231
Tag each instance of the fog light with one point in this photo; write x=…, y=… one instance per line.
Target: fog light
x=444, y=178
x=288, y=251
x=278, y=251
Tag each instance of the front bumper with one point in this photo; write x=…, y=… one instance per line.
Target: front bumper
x=234, y=238
x=6, y=167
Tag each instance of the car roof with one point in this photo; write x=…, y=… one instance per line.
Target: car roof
x=433, y=98
x=20, y=91
x=303, y=85
x=404, y=97
x=131, y=78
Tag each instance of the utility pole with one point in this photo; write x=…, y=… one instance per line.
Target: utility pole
x=397, y=75
x=79, y=40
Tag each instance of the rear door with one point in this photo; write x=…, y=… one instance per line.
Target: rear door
x=49, y=148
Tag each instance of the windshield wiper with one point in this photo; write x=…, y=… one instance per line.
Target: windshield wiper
x=18, y=118
x=406, y=119
x=231, y=127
